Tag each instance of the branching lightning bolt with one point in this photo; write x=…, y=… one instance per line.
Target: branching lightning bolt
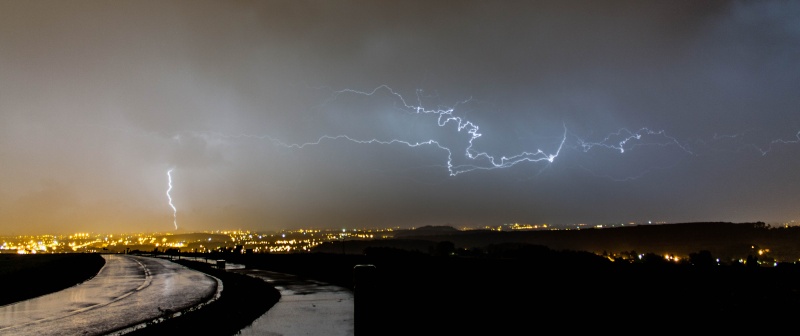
x=483, y=160
x=465, y=157
x=742, y=144
x=621, y=141
x=779, y=141
x=618, y=140
x=174, y=210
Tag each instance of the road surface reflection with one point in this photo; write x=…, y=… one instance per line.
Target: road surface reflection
x=128, y=291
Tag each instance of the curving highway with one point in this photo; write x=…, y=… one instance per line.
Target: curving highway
x=128, y=292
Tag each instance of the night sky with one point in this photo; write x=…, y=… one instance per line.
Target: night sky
x=340, y=114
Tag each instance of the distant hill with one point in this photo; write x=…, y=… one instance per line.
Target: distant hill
x=430, y=230
x=727, y=241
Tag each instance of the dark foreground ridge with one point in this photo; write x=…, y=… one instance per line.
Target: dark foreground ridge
x=440, y=285
x=519, y=288
x=242, y=300
x=27, y=276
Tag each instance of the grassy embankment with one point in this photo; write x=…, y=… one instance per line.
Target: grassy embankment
x=28, y=276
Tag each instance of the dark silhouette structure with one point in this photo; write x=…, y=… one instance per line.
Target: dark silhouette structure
x=365, y=297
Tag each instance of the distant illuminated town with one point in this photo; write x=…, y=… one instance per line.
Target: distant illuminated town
x=247, y=242
x=243, y=241
x=200, y=242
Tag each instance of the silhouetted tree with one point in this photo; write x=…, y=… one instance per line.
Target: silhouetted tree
x=444, y=248
x=702, y=259
x=653, y=259
x=751, y=261
x=471, y=252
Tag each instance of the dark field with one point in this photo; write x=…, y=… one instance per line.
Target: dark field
x=532, y=287
x=527, y=288
x=27, y=276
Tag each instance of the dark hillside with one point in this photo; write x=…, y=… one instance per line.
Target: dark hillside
x=727, y=241
x=30, y=275
x=516, y=287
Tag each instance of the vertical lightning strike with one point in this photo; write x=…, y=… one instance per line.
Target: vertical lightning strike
x=174, y=210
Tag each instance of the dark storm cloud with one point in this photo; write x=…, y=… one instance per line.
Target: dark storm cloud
x=101, y=98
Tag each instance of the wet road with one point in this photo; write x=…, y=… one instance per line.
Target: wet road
x=306, y=307
x=127, y=292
